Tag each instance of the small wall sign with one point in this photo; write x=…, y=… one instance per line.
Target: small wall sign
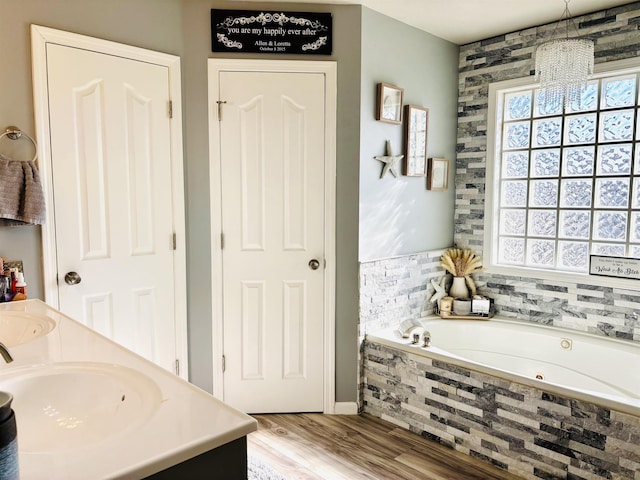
x=621, y=267
x=257, y=31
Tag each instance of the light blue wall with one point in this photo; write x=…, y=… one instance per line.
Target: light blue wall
x=399, y=215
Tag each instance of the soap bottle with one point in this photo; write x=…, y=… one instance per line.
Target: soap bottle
x=9, y=468
x=21, y=285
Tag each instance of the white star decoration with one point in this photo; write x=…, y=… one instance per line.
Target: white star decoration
x=439, y=290
x=390, y=161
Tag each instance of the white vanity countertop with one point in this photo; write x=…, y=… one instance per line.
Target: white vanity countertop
x=186, y=421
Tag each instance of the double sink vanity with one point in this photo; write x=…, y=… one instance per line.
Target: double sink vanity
x=87, y=408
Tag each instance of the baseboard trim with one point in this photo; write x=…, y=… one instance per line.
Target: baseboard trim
x=345, y=408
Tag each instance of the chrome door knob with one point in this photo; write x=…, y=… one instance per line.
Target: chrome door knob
x=314, y=264
x=72, y=278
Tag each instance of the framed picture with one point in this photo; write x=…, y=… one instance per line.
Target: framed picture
x=416, y=120
x=438, y=175
x=389, y=108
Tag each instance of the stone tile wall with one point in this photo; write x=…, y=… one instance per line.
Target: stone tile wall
x=599, y=310
x=525, y=430
x=594, y=309
x=397, y=289
x=393, y=290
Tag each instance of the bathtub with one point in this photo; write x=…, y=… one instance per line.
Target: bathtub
x=594, y=368
x=534, y=400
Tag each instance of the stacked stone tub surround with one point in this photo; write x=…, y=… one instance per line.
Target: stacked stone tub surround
x=530, y=428
x=521, y=427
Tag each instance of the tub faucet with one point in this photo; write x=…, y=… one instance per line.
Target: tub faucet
x=414, y=333
x=426, y=339
x=4, y=351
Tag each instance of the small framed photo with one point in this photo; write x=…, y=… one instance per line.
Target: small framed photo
x=438, y=174
x=416, y=120
x=389, y=108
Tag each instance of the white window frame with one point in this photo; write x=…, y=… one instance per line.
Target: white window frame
x=618, y=67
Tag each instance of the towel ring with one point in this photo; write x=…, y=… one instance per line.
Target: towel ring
x=14, y=133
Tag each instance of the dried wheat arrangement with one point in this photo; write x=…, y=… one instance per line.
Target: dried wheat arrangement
x=462, y=262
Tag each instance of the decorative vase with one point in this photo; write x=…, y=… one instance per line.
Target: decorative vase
x=459, y=288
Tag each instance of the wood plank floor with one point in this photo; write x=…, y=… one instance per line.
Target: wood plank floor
x=352, y=447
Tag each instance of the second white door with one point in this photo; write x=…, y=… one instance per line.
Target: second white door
x=272, y=131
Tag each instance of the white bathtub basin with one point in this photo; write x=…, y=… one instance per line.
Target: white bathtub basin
x=72, y=405
x=589, y=367
x=22, y=327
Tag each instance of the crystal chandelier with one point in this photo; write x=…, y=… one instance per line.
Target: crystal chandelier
x=563, y=65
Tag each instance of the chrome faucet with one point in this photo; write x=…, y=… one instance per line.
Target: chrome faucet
x=414, y=333
x=415, y=336
x=4, y=351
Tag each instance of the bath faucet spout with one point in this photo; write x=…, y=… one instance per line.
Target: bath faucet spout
x=6, y=355
x=406, y=328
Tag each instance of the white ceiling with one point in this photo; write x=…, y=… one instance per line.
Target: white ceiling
x=466, y=21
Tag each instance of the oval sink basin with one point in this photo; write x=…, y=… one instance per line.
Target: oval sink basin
x=22, y=327
x=71, y=405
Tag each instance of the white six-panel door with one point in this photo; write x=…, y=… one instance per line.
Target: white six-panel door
x=112, y=184
x=272, y=131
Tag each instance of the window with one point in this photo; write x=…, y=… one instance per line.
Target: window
x=566, y=182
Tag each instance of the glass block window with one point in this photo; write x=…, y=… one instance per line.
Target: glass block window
x=568, y=179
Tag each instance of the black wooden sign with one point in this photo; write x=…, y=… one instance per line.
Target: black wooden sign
x=256, y=31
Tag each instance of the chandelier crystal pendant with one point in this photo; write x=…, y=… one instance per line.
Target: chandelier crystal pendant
x=563, y=65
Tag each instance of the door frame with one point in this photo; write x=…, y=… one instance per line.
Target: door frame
x=40, y=37
x=329, y=70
